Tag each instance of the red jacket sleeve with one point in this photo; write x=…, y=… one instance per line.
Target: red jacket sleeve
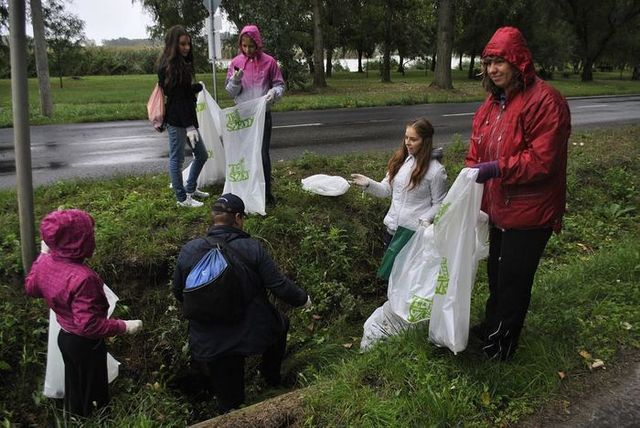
x=89, y=309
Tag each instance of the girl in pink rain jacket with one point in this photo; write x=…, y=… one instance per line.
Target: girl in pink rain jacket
x=253, y=74
x=76, y=294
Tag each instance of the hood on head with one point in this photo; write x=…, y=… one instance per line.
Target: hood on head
x=509, y=43
x=69, y=233
x=253, y=32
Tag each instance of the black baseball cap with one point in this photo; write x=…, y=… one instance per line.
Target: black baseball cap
x=229, y=203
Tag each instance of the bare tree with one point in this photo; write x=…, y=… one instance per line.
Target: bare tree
x=42, y=62
x=445, y=45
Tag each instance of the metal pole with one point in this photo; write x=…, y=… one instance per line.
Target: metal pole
x=21, y=137
x=212, y=30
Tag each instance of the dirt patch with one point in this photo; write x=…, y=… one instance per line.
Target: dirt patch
x=601, y=398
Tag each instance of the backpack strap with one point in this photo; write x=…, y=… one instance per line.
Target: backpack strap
x=213, y=242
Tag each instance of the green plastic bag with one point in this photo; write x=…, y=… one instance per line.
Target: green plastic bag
x=400, y=238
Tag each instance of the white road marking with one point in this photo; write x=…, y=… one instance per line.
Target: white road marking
x=593, y=106
x=458, y=114
x=300, y=125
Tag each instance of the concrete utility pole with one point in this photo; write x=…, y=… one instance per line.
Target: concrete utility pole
x=21, y=138
x=42, y=62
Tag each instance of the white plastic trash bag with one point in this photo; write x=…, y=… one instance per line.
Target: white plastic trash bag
x=54, y=374
x=242, y=130
x=325, y=185
x=414, y=276
x=458, y=227
x=208, y=113
x=381, y=324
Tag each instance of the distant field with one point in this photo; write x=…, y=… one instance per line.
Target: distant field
x=104, y=98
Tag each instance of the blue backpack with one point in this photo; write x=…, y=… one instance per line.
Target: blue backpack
x=216, y=288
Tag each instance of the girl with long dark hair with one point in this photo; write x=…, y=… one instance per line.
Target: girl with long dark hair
x=176, y=74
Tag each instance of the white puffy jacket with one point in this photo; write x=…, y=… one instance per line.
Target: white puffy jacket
x=409, y=206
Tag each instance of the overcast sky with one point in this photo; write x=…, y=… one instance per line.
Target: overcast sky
x=111, y=19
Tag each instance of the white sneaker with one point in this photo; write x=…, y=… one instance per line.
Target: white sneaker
x=199, y=194
x=190, y=202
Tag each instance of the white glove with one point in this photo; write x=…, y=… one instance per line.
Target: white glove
x=271, y=95
x=308, y=304
x=133, y=326
x=424, y=222
x=237, y=75
x=44, y=248
x=192, y=135
x=361, y=180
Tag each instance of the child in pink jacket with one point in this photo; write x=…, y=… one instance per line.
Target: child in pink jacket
x=76, y=294
x=253, y=74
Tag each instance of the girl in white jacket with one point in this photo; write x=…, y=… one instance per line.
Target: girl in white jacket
x=415, y=180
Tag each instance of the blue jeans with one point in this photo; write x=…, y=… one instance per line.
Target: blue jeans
x=177, y=141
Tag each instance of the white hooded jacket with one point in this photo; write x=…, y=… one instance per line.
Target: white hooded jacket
x=409, y=206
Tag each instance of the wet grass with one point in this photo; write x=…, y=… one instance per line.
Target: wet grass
x=585, y=299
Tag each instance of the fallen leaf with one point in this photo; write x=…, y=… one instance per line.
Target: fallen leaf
x=585, y=354
x=626, y=326
x=485, y=397
x=562, y=375
x=597, y=364
x=347, y=345
x=310, y=327
x=316, y=317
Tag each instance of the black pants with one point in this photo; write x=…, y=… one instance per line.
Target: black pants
x=85, y=373
x=513, y=260
x=266, y=159
x=227, y=372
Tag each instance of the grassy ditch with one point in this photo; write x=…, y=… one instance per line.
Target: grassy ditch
x=585, y=299
x=104, y=98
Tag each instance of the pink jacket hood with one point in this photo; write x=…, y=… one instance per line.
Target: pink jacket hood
x=509, y=43
x=69, y=233
x=253, y=32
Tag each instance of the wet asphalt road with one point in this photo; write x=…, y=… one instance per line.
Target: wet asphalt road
x=132, y=147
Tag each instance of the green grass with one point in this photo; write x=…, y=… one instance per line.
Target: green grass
x=585, y=298
x=103, y=98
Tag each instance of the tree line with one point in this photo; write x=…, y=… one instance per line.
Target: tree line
x=563, y=35
x=307, y=35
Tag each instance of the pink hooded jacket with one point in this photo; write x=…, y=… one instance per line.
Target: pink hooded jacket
x=70, y=288
x=527, y=135
x=261, y=72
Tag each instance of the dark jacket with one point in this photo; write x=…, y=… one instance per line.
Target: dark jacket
x=180, y=109
x=263, y=323
x=527, y=134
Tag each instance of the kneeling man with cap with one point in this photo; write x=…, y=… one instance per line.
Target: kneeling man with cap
x=263, y=330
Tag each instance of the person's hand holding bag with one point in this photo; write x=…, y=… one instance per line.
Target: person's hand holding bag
x=360, y=180
x=192, y=135
x=271, y=96
x=487, y=171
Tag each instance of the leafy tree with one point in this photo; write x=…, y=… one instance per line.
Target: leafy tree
x=42, y=62
x=318, y=73
x=188, y=13
x=595, y=24
x=445, y=44
x=64, y=33
x=366, y=29
x=414, y=30
x=284, y=24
